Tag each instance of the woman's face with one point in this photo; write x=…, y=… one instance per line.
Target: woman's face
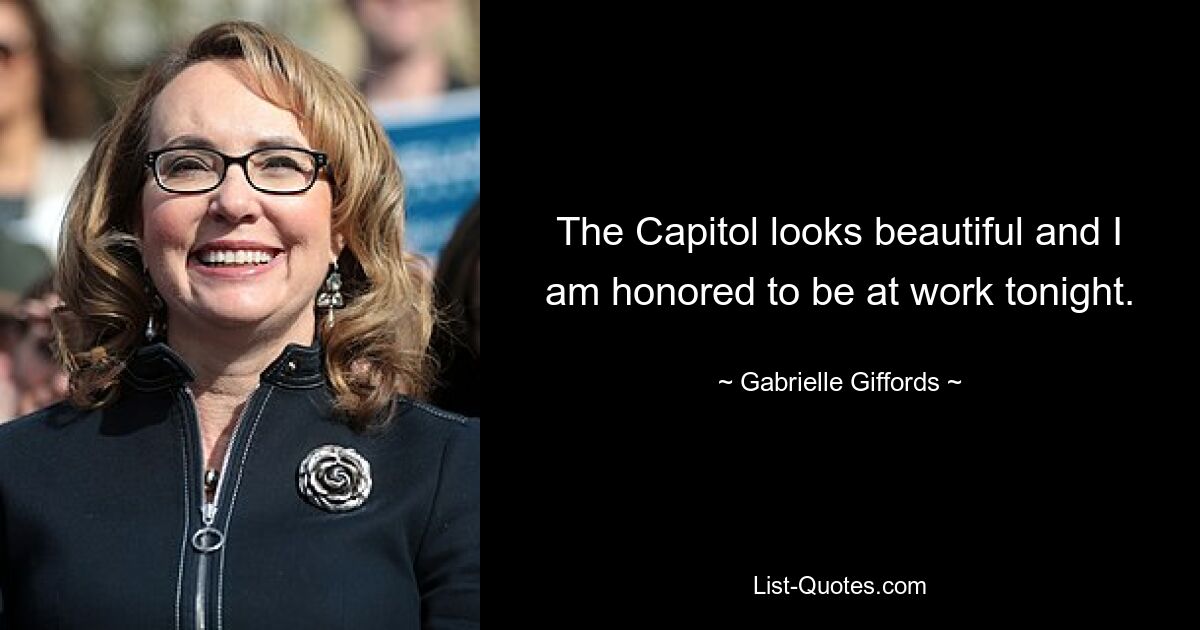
x=287, y=238
x=398, y=27
x=19, y=89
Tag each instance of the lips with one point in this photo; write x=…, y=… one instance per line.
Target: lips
x=235, y=254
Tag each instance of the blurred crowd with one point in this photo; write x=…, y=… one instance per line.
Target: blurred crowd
x=48, y=113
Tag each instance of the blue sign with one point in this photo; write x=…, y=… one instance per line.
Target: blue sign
x=437, y=143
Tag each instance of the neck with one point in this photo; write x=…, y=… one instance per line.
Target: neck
x=228, y=365
x=21, y=138
x=418, y=74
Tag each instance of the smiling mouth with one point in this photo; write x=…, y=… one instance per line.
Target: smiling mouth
x=235, y=257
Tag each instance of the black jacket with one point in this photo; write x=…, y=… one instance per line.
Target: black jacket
x=99, y=513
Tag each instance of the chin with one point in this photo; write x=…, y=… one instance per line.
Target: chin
x=231, y=314
x=243, y=310
x=241, y=304
x=239, y=321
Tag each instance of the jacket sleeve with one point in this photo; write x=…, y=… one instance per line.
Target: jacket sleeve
x=448, y=561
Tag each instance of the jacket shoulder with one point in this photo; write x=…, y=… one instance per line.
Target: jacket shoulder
x=419, y=411
x=422, y=421
x=41, y=429
x=50, y=419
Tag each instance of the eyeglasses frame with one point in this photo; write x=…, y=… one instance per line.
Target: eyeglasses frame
x=321, y=159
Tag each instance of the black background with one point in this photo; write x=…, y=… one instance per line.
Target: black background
x=627, y=488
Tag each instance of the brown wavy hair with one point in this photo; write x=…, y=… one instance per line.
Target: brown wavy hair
x=378, y=348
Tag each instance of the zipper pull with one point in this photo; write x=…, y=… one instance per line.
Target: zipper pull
x=208, y=539
x=209, y=512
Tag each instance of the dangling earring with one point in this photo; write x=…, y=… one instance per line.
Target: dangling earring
x=156, y=304
x=330, y=296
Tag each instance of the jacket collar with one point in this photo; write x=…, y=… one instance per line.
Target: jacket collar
x=157, y=367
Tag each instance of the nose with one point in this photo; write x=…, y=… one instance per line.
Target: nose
x=235, y=200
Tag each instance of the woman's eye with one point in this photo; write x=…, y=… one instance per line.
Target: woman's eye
x=183, y=165
x=282, y=162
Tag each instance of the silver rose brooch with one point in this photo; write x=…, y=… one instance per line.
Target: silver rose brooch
x=334, y=478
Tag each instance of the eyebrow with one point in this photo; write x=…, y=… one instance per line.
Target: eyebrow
x=190, y=140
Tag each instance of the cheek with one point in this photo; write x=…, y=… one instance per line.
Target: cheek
x=25, y=82
x=166, y=236
x=158, y=236
x=312, y=251
x=308, y=225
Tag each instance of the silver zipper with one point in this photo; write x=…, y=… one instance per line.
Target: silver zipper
x=209, y=539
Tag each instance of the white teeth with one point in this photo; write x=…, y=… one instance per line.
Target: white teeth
x=236, y=257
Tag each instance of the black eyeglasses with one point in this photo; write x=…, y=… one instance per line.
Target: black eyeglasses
x=278, y=170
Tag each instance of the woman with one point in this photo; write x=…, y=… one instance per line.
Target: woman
x=258, y=463
x=46, y=115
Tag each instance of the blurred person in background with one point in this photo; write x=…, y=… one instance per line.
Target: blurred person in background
x=457, y=341
x=21, y=266
x=37, y=378
x=245, y=336
x=418, y=55
x=8, y=389
x=406, y=55
x=46, y=113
